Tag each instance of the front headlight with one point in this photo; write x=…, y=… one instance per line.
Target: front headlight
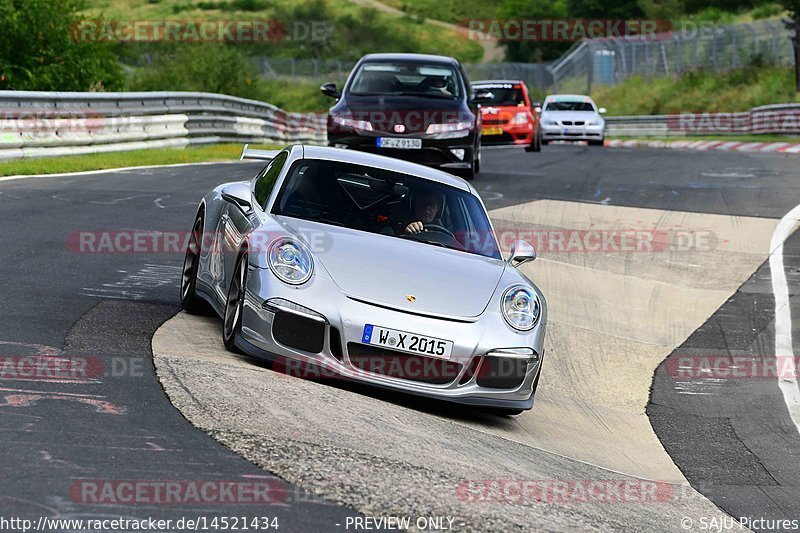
x=594, y=122
x=290, y=261
x=548, y=122
x=351, y=123
x=448, y=127
x=521, y=308
x=520, y=118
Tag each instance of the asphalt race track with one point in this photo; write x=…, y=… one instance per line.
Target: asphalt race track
x=616, y=402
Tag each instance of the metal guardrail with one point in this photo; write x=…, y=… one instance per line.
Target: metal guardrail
x=39, y=124
x=782, y=119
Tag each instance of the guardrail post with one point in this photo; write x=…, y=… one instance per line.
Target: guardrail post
x=590, y=68
x=714, y=50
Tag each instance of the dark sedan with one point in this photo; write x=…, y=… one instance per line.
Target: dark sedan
x=409, y=106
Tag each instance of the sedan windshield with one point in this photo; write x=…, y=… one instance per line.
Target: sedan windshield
x=390, y=203
x=569, y=106
x=406, y=78
x=503, y=95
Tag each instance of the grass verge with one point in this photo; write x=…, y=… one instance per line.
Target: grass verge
x=700, y=91
x=160, y=156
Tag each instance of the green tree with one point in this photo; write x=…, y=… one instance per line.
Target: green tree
x=39, y=50
x=205, y=67
x=533, y=50
x=603, y=9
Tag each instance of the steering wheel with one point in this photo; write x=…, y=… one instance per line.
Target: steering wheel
x=437, y=228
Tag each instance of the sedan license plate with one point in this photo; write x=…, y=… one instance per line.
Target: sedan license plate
x=492, y=131
x=401, y=143
x=404, y=341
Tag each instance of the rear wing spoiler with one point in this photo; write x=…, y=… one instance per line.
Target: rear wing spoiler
x=252, y=153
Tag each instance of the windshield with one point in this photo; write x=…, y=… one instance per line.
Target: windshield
x=406, y=78
x=376, y=200
x=569, y=106
x=503, y=94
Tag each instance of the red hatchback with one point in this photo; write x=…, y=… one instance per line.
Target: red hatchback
x=508, y=116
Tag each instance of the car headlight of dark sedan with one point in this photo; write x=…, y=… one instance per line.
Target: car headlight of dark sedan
x=521, y=308
x=290, y=261
x=449, y=130
x=347, y=122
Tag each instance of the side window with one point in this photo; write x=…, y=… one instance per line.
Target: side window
x=266, y=180
x=465, y=80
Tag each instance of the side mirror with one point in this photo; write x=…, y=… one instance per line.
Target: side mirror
x=521, y=252
x=537, y=109
x=602, y=110
x=239, y=194
x=329, y=89
x=481, y=96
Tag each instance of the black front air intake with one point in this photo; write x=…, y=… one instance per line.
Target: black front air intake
x=336, y=344
x=298, y=332
x=502, y=372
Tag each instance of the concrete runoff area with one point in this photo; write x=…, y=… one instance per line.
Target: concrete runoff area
x=614, y=315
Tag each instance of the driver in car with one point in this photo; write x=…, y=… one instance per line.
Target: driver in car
x=438, y=85
x=425, y=209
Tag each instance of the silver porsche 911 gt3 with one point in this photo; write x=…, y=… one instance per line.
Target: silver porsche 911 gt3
x=372, y=269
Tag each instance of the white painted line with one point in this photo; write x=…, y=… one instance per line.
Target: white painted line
x=787, y=378
x=774, y=146
x=113, y=170
x=728, y=145
x=749, y=147
x=708, y=145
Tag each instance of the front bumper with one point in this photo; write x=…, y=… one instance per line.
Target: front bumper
x=471, y=376
x=572, y=133
x=507, y=133
x=436, y=153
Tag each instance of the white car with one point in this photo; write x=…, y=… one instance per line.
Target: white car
x=312, y=264
x=572, y=117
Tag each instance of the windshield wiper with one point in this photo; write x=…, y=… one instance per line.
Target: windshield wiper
x=324, y=220
x=424, y=95
x=437, y=243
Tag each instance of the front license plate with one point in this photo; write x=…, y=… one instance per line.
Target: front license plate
x=492, y=131
x=404, y=341
x=403, y=144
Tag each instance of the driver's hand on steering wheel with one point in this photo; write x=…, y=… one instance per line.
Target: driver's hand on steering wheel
x=414, y=227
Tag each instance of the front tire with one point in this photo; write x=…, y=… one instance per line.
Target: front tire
x=234, y=304
x=601, y=142
x=190, y=302
x=536, y=144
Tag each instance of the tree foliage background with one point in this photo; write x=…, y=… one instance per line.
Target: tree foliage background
x=38, y=51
